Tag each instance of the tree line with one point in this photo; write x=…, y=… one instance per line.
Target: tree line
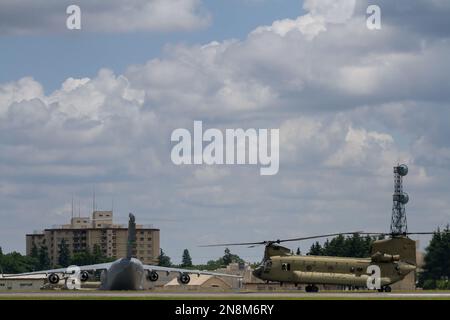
x=186, y=261
x=353, y=246
x=39, y=259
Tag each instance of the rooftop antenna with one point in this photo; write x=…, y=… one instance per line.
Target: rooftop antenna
x=72, y=207
x=112, y=205
x=93, y=200
x=400, y=199
x=79, y=208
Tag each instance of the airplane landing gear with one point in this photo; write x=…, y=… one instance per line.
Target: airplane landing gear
x=311, y=288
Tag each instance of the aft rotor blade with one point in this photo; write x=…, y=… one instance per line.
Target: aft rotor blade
x=234, y=244
x=317, y=237
x=426, y=232
x=394, y=234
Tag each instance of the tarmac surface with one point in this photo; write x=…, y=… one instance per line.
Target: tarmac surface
x=85, y=294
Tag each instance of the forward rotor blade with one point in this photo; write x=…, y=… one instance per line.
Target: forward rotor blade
x=253, y=244
x=320, y=236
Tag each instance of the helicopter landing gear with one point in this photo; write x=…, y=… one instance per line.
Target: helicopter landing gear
x=311, y=288
x=385, y=289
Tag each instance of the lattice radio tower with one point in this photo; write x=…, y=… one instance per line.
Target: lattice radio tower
x=400, y=199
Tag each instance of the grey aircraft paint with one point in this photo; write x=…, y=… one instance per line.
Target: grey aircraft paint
x=126, y=273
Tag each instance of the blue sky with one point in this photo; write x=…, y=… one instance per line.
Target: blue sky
x=52, y=58
x=96, y=107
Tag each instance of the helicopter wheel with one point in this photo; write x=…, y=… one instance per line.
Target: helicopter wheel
x=311, y=288
x=385, y=289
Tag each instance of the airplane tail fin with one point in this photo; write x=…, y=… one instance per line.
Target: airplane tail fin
x=131, y=236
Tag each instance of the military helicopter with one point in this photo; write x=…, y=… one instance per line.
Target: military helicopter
x=394, y=258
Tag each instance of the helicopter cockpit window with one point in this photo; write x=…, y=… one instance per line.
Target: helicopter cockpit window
x=267, y=265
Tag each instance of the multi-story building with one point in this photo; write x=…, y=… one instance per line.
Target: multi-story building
x=84, y=233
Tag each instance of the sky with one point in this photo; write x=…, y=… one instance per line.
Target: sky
x=95, y=108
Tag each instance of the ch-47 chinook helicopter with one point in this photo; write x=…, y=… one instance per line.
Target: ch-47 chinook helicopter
x=395, y=257
x=390, y=259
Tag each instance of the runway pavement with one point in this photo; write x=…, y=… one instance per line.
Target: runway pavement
x=222, y=295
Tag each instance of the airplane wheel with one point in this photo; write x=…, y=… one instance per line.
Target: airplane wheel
x=315, y=289
x=387, y=289
x=308, y=289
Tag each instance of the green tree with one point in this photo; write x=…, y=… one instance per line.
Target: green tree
x=34, y=252
x=335, y=247
x=64, y=254
x=316, y=249
x=298, y=252
x=98, y=256
x=340, y=246
x=44, y=261
x=14, y=262
x=186, y=261
x=228, y=258
x=82, y=258
x=164, y=260
x=1, y=252
x=436, y=269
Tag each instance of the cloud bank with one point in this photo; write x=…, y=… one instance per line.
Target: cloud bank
x=350, y=103
x=19, y=17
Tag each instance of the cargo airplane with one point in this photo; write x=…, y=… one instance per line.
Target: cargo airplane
x=123, y=274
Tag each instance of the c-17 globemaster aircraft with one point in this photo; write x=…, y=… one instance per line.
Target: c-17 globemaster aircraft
x=123, y=274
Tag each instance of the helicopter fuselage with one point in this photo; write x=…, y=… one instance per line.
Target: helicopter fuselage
x=329, y=270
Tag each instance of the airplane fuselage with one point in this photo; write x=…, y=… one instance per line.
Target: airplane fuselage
x=124, y=274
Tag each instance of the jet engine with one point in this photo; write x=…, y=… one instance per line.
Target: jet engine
x=153, y=276
x=184, y=278
x=84, y=276
x=53, y=278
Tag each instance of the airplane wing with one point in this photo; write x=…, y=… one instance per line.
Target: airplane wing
x=92, y=267
x=197, y=272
